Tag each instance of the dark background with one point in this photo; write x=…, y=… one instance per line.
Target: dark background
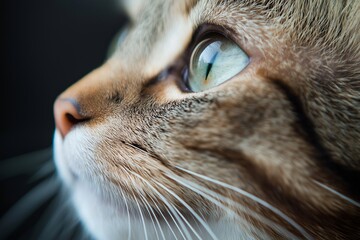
x=46, y=45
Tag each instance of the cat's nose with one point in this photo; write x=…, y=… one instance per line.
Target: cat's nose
x=67, y=114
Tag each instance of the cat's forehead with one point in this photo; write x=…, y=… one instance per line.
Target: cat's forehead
x=158, y=34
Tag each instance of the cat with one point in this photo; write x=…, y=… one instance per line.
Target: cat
x=219, y=120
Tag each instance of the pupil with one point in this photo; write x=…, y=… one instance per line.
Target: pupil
x=210, y=64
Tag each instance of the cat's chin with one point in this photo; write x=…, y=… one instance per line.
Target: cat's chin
x=102, y=219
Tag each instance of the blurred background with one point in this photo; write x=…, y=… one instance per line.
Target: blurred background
x=45, y=47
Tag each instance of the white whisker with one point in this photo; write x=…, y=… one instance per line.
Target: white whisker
x=54, y=223
x=205, y=225
x=175, y=219
x=46, y=169
x=146, y=205
x=166, y=221
x=142, y=217
x=355, y=203
x=141, y=214
x=183, y=219
x=24, y=164
x=171, y=208
x=69, y=227
x=254, y=198
x=27, y=205
x=213, y=196
x=128, y=213
x=157, y=221
x=186, y=221
x=48, y=213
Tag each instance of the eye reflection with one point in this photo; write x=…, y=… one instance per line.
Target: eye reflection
x=214, y=61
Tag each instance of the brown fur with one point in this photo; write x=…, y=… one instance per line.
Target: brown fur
x=289, y=120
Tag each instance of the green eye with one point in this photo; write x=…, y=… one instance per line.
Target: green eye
x=213, y=62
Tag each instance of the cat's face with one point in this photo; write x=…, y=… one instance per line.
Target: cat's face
x=148, y=146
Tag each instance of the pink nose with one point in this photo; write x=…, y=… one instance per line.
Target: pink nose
x=67, y=115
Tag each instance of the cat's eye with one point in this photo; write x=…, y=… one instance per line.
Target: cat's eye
x=214, y=61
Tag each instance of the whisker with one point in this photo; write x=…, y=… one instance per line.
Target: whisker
x=162, y=215
x=23, y=164
x=187, y=223
x=141, y=214
x=212, y=196
x=355, y=203
x=142, y=218
x=44, y=218
x=157, y=221
x=252, y=197
x=45, y=170
x=83, y=234
x=70, y=231
x=150, y=215
x=55, y=222
x=175, y=219
x=179, y=219
x=170, y=207
x=48, y=213
x=205, y=225
x=27, y=205
x=70, y=228
x=128, y=213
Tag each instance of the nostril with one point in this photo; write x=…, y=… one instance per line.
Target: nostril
x=67, y=114
x=73, y=119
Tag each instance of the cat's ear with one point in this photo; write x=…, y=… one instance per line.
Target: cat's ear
x=132, y=7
